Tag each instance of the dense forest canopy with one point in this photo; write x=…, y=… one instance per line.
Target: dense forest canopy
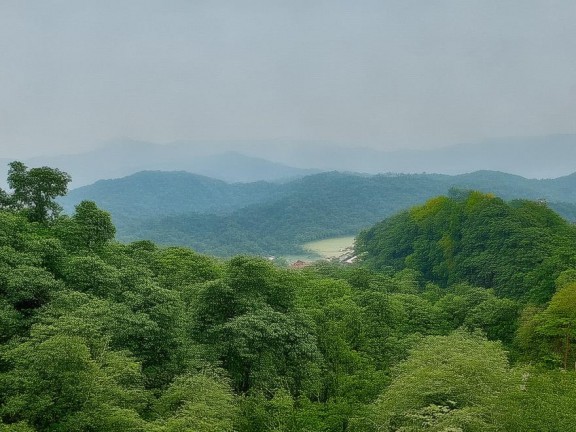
x=97, y=335
x=516, y=248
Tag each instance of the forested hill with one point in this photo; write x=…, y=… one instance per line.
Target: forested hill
x=102, y=336
x=153, y=193
x=267, y=218
x=517, y=248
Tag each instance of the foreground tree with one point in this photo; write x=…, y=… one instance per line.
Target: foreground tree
x=88, y=230
x=34, y=191
x=58, y=384
x=547, y=336
x=196, y=402
x=448, y=383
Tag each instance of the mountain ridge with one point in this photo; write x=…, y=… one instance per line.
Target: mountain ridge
x=271, y=218
x=537, y=157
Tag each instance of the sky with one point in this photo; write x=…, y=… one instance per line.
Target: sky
x=382, y=74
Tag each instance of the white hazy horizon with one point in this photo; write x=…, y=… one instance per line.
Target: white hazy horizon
x=386, y=75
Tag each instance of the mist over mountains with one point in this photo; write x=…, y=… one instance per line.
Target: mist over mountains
x=531, y=157
x=247, y=161
x=122, y=158
x=269, y=198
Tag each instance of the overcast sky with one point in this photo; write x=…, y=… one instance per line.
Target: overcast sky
x=386, y=74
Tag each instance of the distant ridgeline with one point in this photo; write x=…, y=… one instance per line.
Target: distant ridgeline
x=518, y=248
x=211, y=216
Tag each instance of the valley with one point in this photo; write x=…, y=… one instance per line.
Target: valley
x=276, y=219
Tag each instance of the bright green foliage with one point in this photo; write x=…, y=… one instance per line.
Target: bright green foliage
x=544, y=402
x=59, y=383
x=92, y=275
x=256, y=282
x=249, y=284
x=517, y=248
x=199, y=403
x=179, y=267
x=10, y=321
x=16, y=427
x=34, y=191
x=479, y=308
x=28, y=287
x=100, y=336
x=248, y=317
x=447, y=382
x=148, y=323
x=555, y=328
x=497, y=317
x=282, y=413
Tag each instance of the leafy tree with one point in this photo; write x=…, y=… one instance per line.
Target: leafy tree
x=200, y=402
x=57, y=384
x=516, y=248
x=11, y=321
x=177, y=267
x=543, y=402
x=89, y=229
x=496, y=317
x=16, y=427
x=266, y=349
x=34, y=191
x=447, y=382
x=91, y=274
x=555, y=327
x=29, y=287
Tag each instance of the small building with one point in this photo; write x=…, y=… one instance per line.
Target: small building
x=299, y=264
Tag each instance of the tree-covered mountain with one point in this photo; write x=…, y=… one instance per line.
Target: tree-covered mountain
x=517, y=248
x=152, y=193
x=102, y=336
x=268, y=218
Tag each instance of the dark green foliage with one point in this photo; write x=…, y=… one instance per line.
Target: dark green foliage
x=249, y=318
x=266, y=349
x=35, y=191
x=151, y=193
x=57, y=384
x=89, y=229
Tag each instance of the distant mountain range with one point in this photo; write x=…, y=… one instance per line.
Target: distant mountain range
x=548, y=156
x=248, y=161
x=122, y=158
x=276, y=218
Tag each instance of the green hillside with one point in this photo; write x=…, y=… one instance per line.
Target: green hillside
x=211, y=216
x=517, y=247
x=152, y=193
x=102, y=336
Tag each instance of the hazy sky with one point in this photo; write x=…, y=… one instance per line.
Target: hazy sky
x=387, y=74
